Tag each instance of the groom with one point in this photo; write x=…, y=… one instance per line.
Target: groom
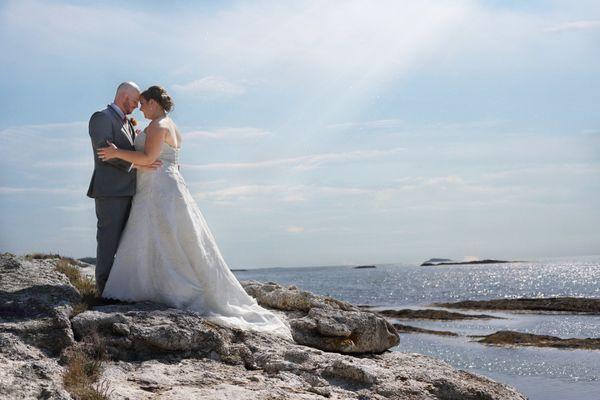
x=113, y=181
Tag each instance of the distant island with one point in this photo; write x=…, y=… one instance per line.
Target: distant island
x=445, y=261
x=365, y=266
x=438, y=260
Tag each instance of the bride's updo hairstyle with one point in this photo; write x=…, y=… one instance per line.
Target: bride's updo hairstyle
x=160, y=95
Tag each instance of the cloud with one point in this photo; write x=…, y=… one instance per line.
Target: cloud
x=50, y=132
x=403, y=196
x=210, y=84
x=65, y=164
x=50, y=145
x=301, y=162
x=434, y=188
x=288, y=193
x=314, y=37
x=78, y=229
x=294, y=229
x=85, y=207
x=575, y=26
x=4, y=190
x=227, y=133
x=269, y=40
x=370, y=125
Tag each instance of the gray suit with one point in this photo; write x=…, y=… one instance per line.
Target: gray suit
x=112, y=186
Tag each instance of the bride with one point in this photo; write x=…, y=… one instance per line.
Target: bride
x=167, y=253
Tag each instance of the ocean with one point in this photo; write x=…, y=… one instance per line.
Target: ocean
x=539, y=373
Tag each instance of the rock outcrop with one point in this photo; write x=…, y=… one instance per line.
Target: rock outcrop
x=153, y=351
x=512, y=338
x=476, y=262
x=35, y=305
x=441, y=315
x=324, y=322
x=550, y=304
x=415, y=329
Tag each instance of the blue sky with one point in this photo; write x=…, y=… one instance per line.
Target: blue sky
x=319, y=132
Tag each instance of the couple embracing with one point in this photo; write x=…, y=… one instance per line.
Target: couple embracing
x=153, y=242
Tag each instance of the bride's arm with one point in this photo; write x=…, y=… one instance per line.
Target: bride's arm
x=150, y=167
x=155, y=136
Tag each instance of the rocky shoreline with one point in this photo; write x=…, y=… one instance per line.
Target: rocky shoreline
x=504, y=337
x=147, y=351
x=551, y=304
x=440, y=315
x=511, y=338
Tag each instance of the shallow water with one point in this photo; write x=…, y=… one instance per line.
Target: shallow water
x=540, y=373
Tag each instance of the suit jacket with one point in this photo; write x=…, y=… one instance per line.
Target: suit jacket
x=113, y=177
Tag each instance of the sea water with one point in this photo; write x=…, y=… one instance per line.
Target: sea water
x=539, y=373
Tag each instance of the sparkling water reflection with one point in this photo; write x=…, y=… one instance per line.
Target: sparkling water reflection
x=548, y=374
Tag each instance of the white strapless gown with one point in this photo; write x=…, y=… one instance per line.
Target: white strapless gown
x=168, y=255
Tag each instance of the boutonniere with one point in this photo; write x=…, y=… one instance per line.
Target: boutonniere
x=133, y=121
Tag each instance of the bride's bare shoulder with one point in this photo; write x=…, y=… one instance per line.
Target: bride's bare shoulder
x=157, y=127
x=170, y=124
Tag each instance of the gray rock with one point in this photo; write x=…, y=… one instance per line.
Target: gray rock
x=27, y=373
x=147, y=331
x=324, y=322
x=35, y=303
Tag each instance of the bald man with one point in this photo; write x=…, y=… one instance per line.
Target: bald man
x=113, y=182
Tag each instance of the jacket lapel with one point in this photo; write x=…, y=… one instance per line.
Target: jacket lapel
x=127, y=133
x=123, y=125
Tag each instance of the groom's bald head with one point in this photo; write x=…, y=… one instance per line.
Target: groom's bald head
x=127, y=96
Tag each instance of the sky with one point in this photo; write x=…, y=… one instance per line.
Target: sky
x=319, y=132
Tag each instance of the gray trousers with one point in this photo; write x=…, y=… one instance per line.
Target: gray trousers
x=112, y=214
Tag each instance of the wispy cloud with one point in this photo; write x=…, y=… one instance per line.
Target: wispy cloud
x=294, y=229
x=65, y=164
x=5, y=190
x=210, y=84
x=315, y=37
x=288, y=193
x=575, y=26
x=415, y=192
x=79, y=229
x=370, y=125
x=227, y=133
x=84, y=207
x=51, y=132
x=301, y=162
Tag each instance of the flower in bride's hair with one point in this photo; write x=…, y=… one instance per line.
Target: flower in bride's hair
x=133, y=121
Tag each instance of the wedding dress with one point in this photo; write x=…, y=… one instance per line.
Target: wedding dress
x=167, y=254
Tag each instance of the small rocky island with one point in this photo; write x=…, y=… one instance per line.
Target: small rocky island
x=58, y=340
x=365, y=266
x=446, y=261
x=544, y=304
x=511, y=338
